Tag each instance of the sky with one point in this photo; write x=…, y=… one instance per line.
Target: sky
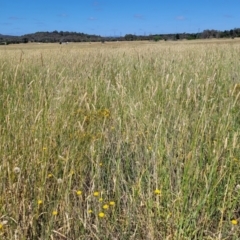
x=118, y=17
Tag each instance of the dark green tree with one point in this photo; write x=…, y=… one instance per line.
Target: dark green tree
x=25, y=40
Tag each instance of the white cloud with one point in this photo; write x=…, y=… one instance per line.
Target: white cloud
x=139, y=16
x=92, y=18
x=180, y=18
x=63, y=15
x=227, y=16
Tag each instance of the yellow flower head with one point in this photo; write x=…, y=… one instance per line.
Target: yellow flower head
x=157, y=192
x=105, y=206
x=1, y=227
x=234, y=222
x=96, y=194
x=79, y=192
x=105, y=113
x=54, y=213
x=111, y=203
x=101, y=215
x=50, y=175
x=40, y=202
x=90, y=211
x=100, y=199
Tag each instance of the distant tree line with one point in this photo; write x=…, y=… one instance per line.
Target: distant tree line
x=61, y=37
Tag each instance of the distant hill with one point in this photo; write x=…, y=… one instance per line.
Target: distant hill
x=60, y=36
x=51, y=37
x=7, y=36
x=6, y=39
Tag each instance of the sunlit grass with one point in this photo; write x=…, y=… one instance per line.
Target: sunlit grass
x=120, y=141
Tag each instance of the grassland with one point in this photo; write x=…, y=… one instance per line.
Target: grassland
x=120, y=140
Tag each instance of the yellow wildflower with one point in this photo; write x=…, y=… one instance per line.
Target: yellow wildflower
x=234, y=222
x=96, y=194
x=105, y=206
x=101, y=215
x=105, y=113
x=100, y=199
x=40, y=202
x=79, y=192
x=111, y=203
x=90, y=211
x=54, y=213
x=157, y=192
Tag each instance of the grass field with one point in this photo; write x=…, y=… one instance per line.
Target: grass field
x=124, y=140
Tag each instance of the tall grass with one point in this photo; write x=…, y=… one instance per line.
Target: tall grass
x=151, y=128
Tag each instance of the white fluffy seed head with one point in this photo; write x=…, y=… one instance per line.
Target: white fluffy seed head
x=4, y=222
x=59, y=181
x=17, y=170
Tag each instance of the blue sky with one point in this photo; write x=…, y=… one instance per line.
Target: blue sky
x=118, y=17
